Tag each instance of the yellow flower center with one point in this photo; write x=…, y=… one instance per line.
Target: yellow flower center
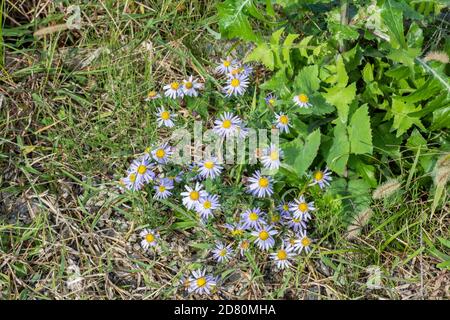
x=223, y=252
x=284, y=119
x=271, y=102
x=282, y=255
x=162, y=188
x=296, y=220
x=245, y=244
x=132, y=177
x=207, y=204
x=188, y=85
x=303, y=98
x=264, y=235
x=306, y=241
x=235, y=72
x=285, y=207
x=142, y=169
x=226, y=63
x=194, y=195
x=201, y=282
x=226, y=124
x=253, y=216
x=165, y=115
x=263, y=182
x=275, y=218
x=274, y=155
x=292, y=241
x=209, y=164
x=149, y=238
x=237, y=232
x=318, y=175
x=303, y=207
x=160, y=153
x=174, y=85
x=235, y=82
x=152, y=94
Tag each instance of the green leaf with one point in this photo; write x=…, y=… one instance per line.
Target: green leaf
x=402, y=121
x=232, y=20
x=359, y=132
x=307, y=80
x=367, y=73
x=339, y=152
x=341, y=99
x=342, y=77
x=263, y=54
x=393, y=18
x=308, y=153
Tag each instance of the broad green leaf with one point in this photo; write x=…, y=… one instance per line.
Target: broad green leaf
x=402, y=120
x=339, y=152
x=263, y=54
x=286, y=49
x=367, y=73
x=341, y=99
x=232, y=20
x=366, y=171
x=308, y=153
x=307, y=80
x=360, y=132
x=393, y=19
x=341, y=77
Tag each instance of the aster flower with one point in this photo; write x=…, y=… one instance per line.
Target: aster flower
x=253, y=218
x=201, y=283
x=260, y=186
x=236, y=229
x=131, y=183
x=152, y=95
x=282, y=122
x=163, y=188
x=283, y=208
x=271, y=157
x=192, y=196
x=222, y=253
x=283, y=256
x=149, y=238
x=301, y=209
x=174, y=90
x=236, y=85
x=162, y=153
x=322, y=178
x=302, y=100
x=264, y=237
x=209, y=168
x=296, y=224
x=190, y=87
x=275, y=217
x=164, y=118
x=243, y=246
x=227, y=125
x=303, y=243
x=226, y=65
x=290, y=239
x=206, y=205
x=271, y=100
x=176, y=178
x=143, y=170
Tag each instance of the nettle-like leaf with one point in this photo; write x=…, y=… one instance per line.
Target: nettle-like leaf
x=263, y=54
x=340, y=149
x=359, y=132
x=393, y=18
x=402, y=120
x=307, y=80
x=341, y=98
x=233, y=21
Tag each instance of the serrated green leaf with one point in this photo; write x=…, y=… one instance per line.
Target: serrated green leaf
x=232, y=20
x=367, y=73
x=263, y=54
x=339, y=152
x=307, y=80
x=402, y=121
x=360, y=132
x=307, y=153
x=341, y=99
x=393, y=19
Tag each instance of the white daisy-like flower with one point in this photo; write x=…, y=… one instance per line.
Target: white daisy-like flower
x=322, y=178
x=191, y=87
x=275, y=217
x=283, y=256
x=236, y=229
x=271, y=99
x=201, y=283
x=165, y=118
x=192, y=196
x=209, y=168
x=206, y=205
x=290, y=239
x=271, y=157
x=301, y=209
x=264, y=237
x=163, y=188
x=282, y=122
x=283, y=208
x=222, y=253
x=260, y=186
x=295, y=223
x=149, y=238
x=131, y=183
x=303, y=243
x=253, y=218
x=152, y=95
x=162, y=153
x=174, y=90
x=243, y=246
x=143, y=170
x=226, y=66
x=227, y=125
x=302, y=100
x=236, y=85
